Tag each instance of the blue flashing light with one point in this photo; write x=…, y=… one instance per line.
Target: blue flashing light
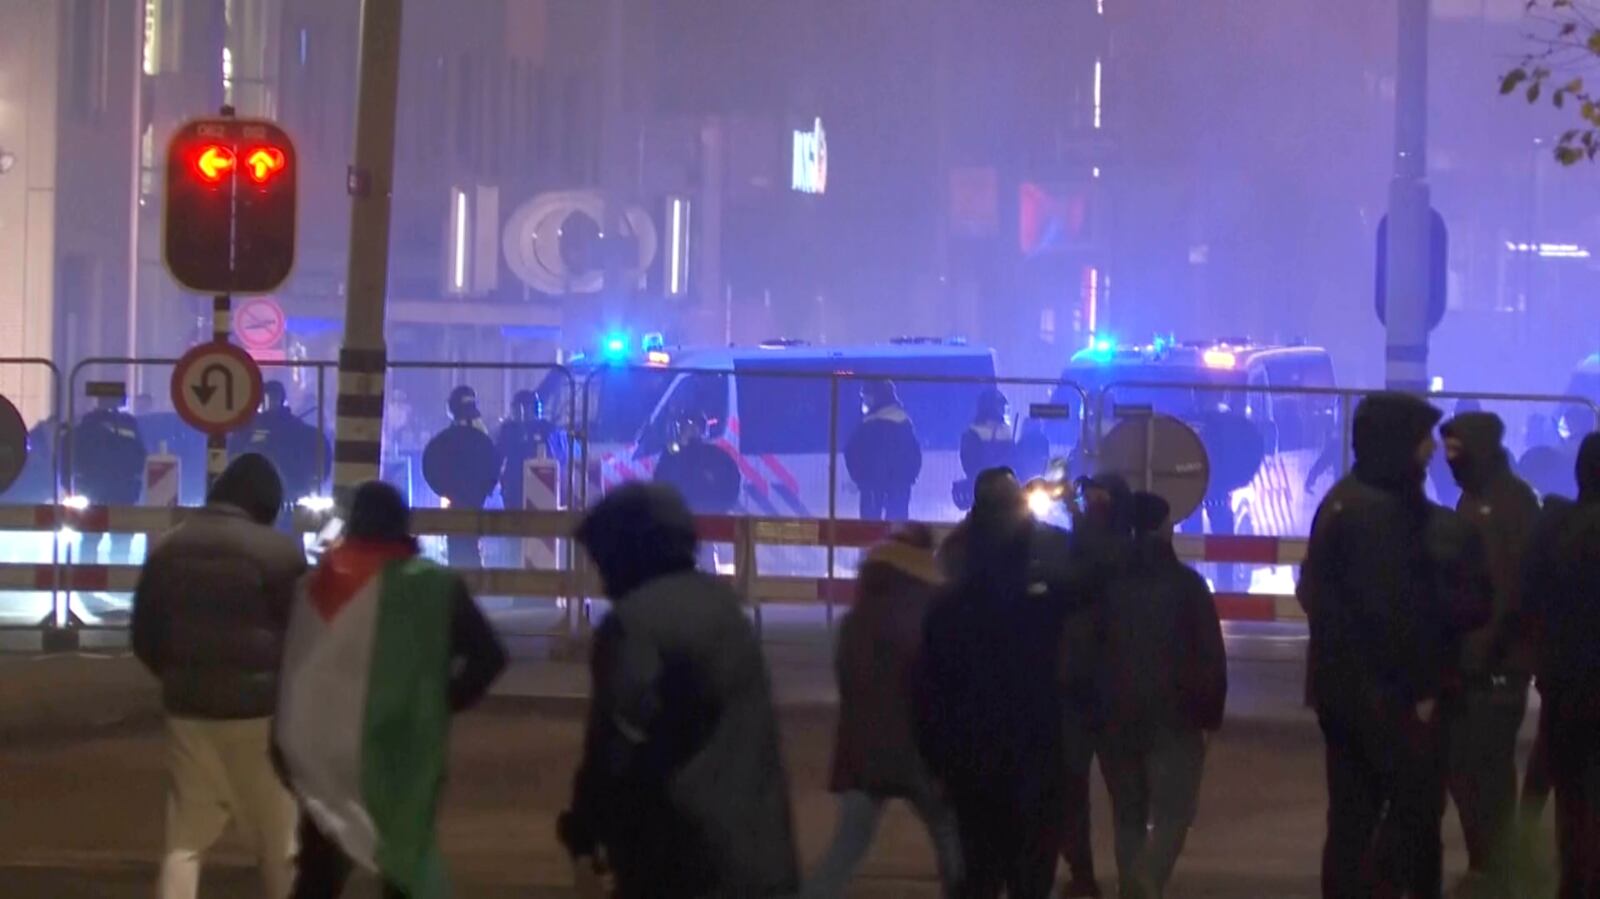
x=615, y=346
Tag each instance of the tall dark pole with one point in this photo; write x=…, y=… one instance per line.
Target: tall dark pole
x=1409, y=203
x=363, y=360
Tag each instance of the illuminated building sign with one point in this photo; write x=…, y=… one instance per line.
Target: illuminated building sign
x=810, y=160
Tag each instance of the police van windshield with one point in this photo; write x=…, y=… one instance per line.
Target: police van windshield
x=783, y=403
x=620, y=400
x=1182, y=400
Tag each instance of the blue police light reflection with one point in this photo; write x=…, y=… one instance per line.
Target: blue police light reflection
x=616, y=346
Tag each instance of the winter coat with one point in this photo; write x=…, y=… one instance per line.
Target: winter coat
x=210, y=611
x=1561, y=574
x=880, y=641
x=681, y=780
x=1163, y=665
x=1390, y=580
x=883, y=453
x=991, y=693
x=1504, y=509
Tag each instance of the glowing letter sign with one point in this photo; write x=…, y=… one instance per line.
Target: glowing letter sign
x=811, y=160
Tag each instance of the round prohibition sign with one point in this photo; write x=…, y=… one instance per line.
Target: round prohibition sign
x=216, y=388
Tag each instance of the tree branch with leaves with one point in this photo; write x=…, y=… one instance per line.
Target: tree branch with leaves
x=1565, y=38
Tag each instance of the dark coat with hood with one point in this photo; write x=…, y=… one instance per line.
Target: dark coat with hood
x=1163, y=664
x=681, y=781
x=1504, y=509
x=880, y=643
x=992, y=695
x=213, y=600
x=1390, y=580
x=1562, y=587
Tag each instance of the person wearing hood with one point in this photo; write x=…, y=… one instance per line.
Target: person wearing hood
x=1496, y=659
x=1100, y=552
x=1389, y=584
x=992, y=697
x=875, y=756
x=209, y=615
x=1561, y=570
x=1165, y=679
x=985, y=444
x=680, y=791
x=883, y=455
x=383, y=648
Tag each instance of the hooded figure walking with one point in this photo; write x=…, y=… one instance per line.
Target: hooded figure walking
x=681, y=790
x=992, y=695
x=1496, y=659
x=1390, y=583
x=875, y=755
x=1562, y=569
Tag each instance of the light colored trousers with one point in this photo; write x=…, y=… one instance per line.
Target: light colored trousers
x=859, y=815
x=221, y=771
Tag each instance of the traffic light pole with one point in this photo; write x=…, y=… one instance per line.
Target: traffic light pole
x=363, y=360
x=1406, y=343
x=216, y=443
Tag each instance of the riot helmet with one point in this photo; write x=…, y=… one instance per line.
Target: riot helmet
x=463, y=404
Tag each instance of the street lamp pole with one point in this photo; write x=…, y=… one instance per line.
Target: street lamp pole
x=363, y=360
x=1406, y=343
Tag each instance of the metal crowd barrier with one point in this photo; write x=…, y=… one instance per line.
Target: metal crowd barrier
x=578, y=582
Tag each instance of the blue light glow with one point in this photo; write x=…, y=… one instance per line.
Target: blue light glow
x=615, y=346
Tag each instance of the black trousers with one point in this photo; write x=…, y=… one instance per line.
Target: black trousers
x=322, y=869
x=1483, y=723
x=1077, y=848
x=1385, y=806
x=892, y=504
x=1006, y=849
x=1572, y=736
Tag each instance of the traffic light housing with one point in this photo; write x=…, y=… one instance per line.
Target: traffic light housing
x=229, y=221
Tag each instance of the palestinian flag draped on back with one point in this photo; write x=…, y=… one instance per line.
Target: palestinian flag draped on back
x=363, y=709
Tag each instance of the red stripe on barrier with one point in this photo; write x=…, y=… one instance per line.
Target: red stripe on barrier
x=1245, y=607
x=839, y=592
x=717, y=529
x=44, y=517
x=78, y=577
x=859, y=534
x=1242, y=550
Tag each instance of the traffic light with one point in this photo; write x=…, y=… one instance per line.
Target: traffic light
x=229, y=221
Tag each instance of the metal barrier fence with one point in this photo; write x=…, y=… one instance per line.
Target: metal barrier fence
x=795, y=533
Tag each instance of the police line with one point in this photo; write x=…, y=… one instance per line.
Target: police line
x=742, y=533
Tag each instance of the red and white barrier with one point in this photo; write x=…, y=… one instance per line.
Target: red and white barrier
x=162, y=475
x=543, y=575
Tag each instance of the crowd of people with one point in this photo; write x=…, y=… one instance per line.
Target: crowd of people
x=978, y=679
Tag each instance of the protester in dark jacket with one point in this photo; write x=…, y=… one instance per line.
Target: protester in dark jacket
x=681, y=787
x=993, y=699
x=1496, y=659
x=875, y=756
x=208, y=621
x=1100, y=551
x=1165, y=677
x=1389, y=584
x=1563, y=567
x=883, y=455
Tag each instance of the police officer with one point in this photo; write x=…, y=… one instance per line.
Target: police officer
x=884, y=456
x=290, y=443
x=703, y=472
x=108, y=456
x=462, y=466
x=985, y=444
x=527, y=434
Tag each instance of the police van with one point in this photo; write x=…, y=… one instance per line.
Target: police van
x=1272, y=455
x=774, y=409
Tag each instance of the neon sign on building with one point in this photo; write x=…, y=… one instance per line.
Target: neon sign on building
x=811, y=160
